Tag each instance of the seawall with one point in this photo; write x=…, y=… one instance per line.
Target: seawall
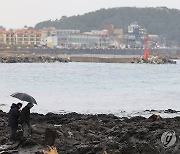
x=88, y=55
x=100, y=59
x=169, y=52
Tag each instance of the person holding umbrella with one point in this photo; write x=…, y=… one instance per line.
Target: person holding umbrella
x=25, y=113
x=13, y=117
x=25, y=119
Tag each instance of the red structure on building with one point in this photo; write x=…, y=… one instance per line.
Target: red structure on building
x=146, y=52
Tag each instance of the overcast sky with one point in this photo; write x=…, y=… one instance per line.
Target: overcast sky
x=17, y=13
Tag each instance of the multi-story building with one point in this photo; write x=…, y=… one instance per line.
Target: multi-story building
x=137, y=31
x=102, y=33
x=27, y=37
x=7, y=37
x=64, y=34
x=110, y=29
x=82, y=41
x=50, y=41
x=21, y=37
x=136, y=35
x=118, y=37
x=118, y=32
x=133, y=28
x=2, y=37
x=45, y=32
x=130, y=41
x=67, y=32
x=153, y=41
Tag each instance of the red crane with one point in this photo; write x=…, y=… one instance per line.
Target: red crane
x=146, y=52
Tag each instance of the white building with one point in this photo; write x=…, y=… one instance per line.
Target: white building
x=67, y=32
x=50, y=41
x=133, y=27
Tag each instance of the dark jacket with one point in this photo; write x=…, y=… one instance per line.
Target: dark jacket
x=25, y=115
x=13, y=116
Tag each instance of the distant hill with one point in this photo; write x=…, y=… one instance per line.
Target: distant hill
x=161, y=21
x=2, y=28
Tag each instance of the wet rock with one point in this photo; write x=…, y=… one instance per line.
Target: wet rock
x=153, y=60
x=31, y=59
x=97, y=134
x=137, y=119
x=127, y=148
x=81, y=149
x=171, y=111
x=154, y=117
x=28, y=143
x=2, y=123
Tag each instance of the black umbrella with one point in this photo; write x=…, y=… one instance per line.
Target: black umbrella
x=24, y=97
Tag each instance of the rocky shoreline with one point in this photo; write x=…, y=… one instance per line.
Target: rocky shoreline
x=153, y=60
x=32, y=59
x=94, y=134
x=50, y=58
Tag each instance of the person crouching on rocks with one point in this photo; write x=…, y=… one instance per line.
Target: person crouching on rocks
x=13, y=117
x=25, y=119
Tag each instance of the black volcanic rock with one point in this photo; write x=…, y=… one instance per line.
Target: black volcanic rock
x=31, y=59
x=95, y=134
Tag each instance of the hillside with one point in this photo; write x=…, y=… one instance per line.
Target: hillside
x=162, y=21
x=2, y=28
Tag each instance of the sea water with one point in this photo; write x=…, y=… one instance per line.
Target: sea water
x=93, y=88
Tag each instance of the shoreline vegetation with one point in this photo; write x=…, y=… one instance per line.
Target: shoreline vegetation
x=93, y=134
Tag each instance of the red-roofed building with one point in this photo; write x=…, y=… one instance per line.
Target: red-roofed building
x=7, y=37
x=20, y=37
